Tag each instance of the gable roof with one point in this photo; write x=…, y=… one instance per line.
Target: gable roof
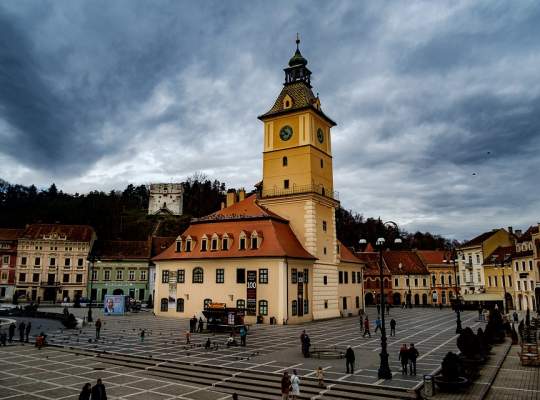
x=371, y=261
x=527, y=236
x=245, y=209
x=408, y=260
x=501, y=251
x=123, y=250
x=478, y=240
x=10, y=233
x=434, y=257
x=76, y=233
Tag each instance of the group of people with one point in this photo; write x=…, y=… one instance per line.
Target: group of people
x=196, y=325
x=290, y=385
x=408, y=356
x=365, y=326
x=24, y=331
x=96, y=392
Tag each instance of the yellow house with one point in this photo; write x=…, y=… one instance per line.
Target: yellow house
x=499, y=277
x=525, y=271
x=276, y=252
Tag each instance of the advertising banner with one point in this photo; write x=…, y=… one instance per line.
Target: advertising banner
x=251, y=295
x=114, y=304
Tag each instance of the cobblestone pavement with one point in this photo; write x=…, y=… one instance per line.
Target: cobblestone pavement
x=515, y=381
x=273, y=349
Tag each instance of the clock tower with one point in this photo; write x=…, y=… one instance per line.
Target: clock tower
x=298, y=179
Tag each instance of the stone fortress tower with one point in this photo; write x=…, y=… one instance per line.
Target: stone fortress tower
x=166, y=198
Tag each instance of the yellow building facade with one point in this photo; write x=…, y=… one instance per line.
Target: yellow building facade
x=286, y=231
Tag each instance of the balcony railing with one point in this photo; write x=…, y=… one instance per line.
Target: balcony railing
x=50, y=284
x=468, y=265
x=300, y=189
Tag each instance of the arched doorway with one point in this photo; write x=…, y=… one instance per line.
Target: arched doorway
x=416, y=299
x=396, y=299
x=369, y=299
x=424, y=299
x=118, y=292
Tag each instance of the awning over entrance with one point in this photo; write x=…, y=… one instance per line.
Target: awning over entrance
x=482, y=297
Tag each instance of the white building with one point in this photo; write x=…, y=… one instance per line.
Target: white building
x=166, y=198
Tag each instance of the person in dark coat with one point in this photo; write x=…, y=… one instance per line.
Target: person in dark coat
x=86, y=392
x=349, y=359
x=201, y=325
x=387, y=308
x=412, y=355
x=98, y=391
x=392, y=327
x=306, y=346
x=11, y=331
x=98, y=328
x=404, y=358
x=27, y=331
x=285, y=385
x=22, y=327
x=379, y=309
x=366, y=327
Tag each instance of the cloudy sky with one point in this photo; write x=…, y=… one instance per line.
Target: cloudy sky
x=437, y=103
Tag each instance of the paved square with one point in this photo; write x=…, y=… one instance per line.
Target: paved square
x=164, y=366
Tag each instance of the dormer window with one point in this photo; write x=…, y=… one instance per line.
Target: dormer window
x=225, y=243
x=178, y=246
x=254, y=243
x=204, y=243
x=214, y=244
x=188, y=245
x=242, y=241
x=287, y=102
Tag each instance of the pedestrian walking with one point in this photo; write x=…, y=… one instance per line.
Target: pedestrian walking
x=22, y=327
x=366, y=327
x=516, y=317
x=285, y=386
x=295, y=385
x=302, y=339
x=201, y=325
x=392, y=327
x=306, y=346
x=440, y=306
x=188, y=337
x=378, y=325
x=412, y=355
x=349, y=359
x=27, y=330
x=243, y=336
x=378, y=308
x=98, y=328
x=208, y=344
x=319, y=373
x=142, y=335
x=361, y=323
x=402, y=305
x=404, y=358
x=387, y=308
x=193, y=324
x=11, y=331
x=86, y=392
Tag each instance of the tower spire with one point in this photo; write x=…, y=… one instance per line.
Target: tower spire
x=297, y=41
x=297, y=70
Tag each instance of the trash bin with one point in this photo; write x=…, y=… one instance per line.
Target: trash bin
x=428, y=385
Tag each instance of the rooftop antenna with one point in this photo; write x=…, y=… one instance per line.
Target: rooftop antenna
x=297, y=40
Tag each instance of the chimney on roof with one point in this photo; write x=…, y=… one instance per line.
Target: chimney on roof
x=511, y=230
x=518, y=232
x=241, y=194
x=231, y=197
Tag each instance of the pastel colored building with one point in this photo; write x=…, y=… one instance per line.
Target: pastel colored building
x=8, y=262
x=444, y=279
x=276, y=251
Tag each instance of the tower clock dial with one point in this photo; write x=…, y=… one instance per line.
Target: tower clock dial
x=286, y=132
x=320, y=135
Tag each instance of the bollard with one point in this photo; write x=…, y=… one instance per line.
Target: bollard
x=428, y=385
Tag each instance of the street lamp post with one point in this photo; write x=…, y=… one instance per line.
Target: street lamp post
x=92, y=260
x=503, y=257
x=453, y=254
x=384, y=368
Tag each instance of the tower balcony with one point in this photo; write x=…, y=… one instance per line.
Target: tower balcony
x=300, y=189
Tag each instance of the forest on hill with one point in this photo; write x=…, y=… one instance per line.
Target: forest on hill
x=122, y=214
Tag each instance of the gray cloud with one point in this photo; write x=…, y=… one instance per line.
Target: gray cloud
x=99, y=94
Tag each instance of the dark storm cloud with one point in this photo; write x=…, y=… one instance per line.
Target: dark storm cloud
x=437, y=103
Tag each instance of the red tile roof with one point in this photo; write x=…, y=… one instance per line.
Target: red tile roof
x=371, y=260
x=501, y=252
x=347, y=255
x=160, y=244
x=409, y=261
x=10, y=234
x=431, y=257
x=123, y=250
x=278, y=239
x=76, y=233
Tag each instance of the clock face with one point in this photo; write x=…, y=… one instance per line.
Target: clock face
x=286, y=132
x=320, y=135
